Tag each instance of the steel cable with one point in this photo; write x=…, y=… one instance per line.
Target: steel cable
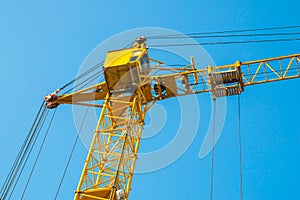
x=17, y=160
x=30, y=148
x=213, y=150
x=226, y=42
x=240, y=147
x=71, y=155
x=24, y=154
x=38, y=155
x=226, y=31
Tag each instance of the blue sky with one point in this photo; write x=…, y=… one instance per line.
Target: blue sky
x=43, y=44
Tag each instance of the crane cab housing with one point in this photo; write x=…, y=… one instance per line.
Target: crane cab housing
x=126, y=69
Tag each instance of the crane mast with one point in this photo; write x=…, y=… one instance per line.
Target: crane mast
x=130, y=90
x=110, y=162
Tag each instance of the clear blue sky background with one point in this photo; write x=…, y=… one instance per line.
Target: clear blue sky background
x=43, y=43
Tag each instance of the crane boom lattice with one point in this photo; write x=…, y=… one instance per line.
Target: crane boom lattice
x=131, y=88
x=110, y=162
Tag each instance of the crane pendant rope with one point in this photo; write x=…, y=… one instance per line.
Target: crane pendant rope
x=213, y=149
x=240, y=147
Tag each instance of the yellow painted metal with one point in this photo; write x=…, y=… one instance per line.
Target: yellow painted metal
x=123, y=68
x=122, y=57
x=199, y=80
x=111, y=159
x=109, y=165
x=94, y=93
x=234, y=76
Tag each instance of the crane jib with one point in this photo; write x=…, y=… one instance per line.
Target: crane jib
x=131, y=88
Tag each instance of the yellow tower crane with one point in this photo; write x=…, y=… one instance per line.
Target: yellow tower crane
x=130, y=90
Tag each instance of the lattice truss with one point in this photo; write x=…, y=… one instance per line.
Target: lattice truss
x=113, y=153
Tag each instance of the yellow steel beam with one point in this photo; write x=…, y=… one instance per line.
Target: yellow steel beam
x=81, y=97
x=113, y=152
x=109, y=165
x=197, y=80
x=252, y=73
